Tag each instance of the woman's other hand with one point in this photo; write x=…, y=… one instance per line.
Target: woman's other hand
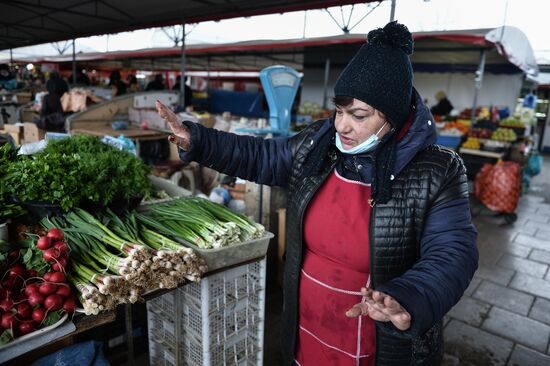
x=181, y=134
x=381, y=307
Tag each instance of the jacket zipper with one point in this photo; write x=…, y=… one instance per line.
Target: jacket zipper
x=371, y=252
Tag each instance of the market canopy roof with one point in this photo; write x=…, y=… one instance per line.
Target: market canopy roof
x=30, y=22
x=443, y=51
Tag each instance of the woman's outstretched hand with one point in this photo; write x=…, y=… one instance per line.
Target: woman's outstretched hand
x=181, y=135
x=381, y=307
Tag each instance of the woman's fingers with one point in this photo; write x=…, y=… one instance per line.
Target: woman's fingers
x=357, y=310
x=170, y=117
x=377, y=315
x=383, y=307
x=402, y=321
x=181, y=134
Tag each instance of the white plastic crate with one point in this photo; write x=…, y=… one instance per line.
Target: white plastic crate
x=219, y=321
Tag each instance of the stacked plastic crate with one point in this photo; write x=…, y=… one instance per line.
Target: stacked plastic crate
x=219, y=321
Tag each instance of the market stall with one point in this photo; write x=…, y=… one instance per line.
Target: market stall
x=72, y=248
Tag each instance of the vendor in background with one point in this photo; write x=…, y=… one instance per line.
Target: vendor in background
x=443, y=106
x=156, y=84
x=133, y=84
x=52, y=117
x=380, y=244
x=118, y=87
x=8, y=80
x=56, y=84
x=188, y=91
x=82, y=78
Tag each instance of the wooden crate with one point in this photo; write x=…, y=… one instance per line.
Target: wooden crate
x=31, y=132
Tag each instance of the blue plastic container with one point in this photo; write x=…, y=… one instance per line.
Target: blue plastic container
x=449, y=141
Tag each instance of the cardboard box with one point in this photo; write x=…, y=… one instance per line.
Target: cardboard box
x=15, y=130
x=238, y=191
x=153, y=120
x=24, y=97
x=16, y=136
x=28, y=115
x=31, y=132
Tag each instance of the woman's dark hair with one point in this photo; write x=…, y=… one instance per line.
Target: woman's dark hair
x=342, y=101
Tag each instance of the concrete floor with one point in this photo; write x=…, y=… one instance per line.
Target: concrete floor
x=504, y=316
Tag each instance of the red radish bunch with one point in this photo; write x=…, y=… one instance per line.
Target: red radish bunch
x=26, y=299
x=54, y=249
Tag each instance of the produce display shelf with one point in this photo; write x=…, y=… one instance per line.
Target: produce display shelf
x=219, y=321
x=233, y=254
x=487, y=154
x=505, y=143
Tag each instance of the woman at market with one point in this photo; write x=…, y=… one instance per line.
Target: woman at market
x=118, y=87
x=52, y=116
x=443, y=106
x=380, y=243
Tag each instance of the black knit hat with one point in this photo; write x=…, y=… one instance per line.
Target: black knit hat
x=380, y=73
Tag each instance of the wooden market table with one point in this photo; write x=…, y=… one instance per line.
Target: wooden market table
x=82, y=322
x=474, y=159
x=482, y=153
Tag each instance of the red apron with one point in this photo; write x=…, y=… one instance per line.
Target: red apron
x=335, y=267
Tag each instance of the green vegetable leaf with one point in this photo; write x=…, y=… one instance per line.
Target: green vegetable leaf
x=52, y=318
x=69, y=171
x=28, y=256
x=6, y=337
x=33, y=258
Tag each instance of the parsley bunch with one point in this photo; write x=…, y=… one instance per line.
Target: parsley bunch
x=79, y=168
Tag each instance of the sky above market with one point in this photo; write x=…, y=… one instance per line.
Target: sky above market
x=531, y=16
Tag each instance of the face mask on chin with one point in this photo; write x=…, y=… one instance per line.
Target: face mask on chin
x=366, y=146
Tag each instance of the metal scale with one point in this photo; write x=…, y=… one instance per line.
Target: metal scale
x=280, y=84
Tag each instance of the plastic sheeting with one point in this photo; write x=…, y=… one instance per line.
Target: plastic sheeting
x=497, y=90
x=514, y=45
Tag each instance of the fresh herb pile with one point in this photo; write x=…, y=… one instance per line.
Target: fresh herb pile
x=7, y=210
x=70, y=171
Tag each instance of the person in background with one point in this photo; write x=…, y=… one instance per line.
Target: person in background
x=118, y=87
x=156, y=84
x=82, y=78
x=188, y=91
x=380, y=244
x=52, y=116
x=56, y=84
x=133, y=84
x=443, y=106
x=8, y=80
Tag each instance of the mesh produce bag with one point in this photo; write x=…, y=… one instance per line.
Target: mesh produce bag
x=498, y=186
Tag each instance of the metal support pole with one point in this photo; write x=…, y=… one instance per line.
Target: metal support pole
x=478, y=81
x=260, y=203
x=129, y=333
x=392, y=13
x=325, y=85
x=208, y=73
x=11, y=56
x=74, y=63
x=182, y=66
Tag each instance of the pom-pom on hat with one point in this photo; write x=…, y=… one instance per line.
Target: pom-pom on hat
x=380, y=74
